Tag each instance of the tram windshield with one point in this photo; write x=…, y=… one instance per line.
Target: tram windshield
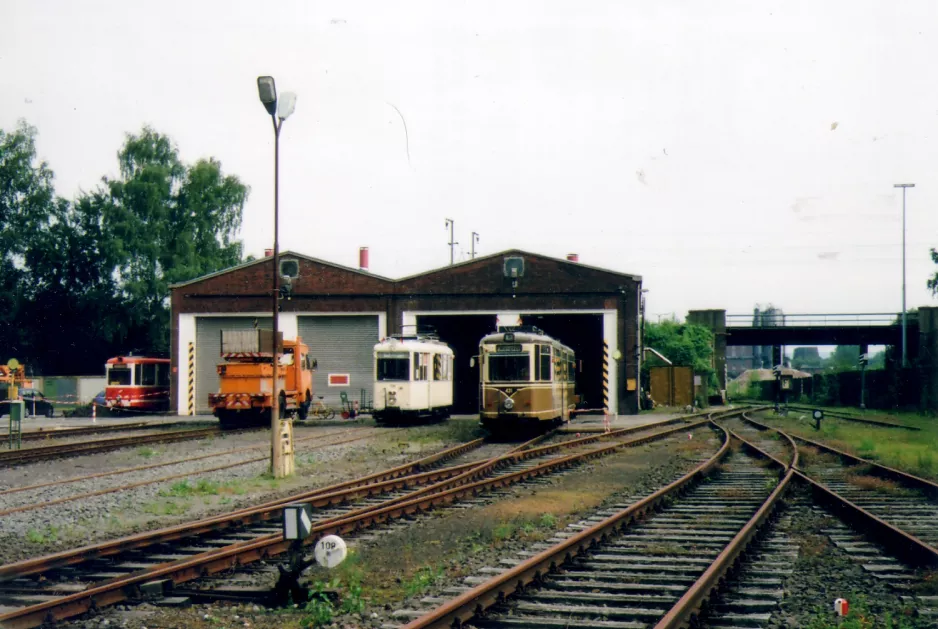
x=118, y=376
x=394, y=366
x=509, y=367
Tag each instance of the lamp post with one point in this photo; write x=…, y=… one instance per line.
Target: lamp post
x=905, y=358
x=279, y=110
x=475, y=239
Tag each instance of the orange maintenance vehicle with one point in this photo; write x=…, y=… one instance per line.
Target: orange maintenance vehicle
x=244, y=389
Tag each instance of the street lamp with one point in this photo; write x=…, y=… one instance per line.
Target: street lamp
x=475, y=239
x=905, y=358
x=279, y=110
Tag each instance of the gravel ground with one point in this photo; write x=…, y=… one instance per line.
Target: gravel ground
x=446, y=538
x=55, y=440
x=825, y=572
x=77, y=523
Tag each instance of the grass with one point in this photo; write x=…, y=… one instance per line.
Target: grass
x=46, y=535
x=912, y=451
x=145, y=452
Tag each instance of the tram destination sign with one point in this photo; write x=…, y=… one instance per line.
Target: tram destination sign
x=508, y=348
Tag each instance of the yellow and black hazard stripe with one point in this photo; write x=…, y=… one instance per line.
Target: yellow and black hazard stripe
x=605, y=377
x=191, y=378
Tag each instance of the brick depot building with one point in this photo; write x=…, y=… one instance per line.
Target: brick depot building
x=341, y=312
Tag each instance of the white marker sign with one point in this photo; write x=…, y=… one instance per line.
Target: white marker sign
x=330, y=551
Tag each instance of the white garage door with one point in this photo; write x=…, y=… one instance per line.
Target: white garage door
x=208, y=352
x=341, y=345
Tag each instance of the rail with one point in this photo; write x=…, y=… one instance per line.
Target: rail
x=266, y=545
x=907, y=547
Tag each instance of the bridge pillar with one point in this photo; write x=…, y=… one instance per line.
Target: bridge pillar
x=715, y=321
x=928, y=356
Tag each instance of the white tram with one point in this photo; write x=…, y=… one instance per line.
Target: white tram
x=527, y=379
x=413, y=379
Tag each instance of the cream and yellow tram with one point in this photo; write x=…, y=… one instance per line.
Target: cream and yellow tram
x=413, y=379
x=527, y=378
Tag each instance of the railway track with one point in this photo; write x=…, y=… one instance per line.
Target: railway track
x=72, y=582
x=358, y=434
x=900, y=507
x=42, y=434
x=42, y=453
x=651, y=564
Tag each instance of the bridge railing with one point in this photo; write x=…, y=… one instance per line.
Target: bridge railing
x=772, y=320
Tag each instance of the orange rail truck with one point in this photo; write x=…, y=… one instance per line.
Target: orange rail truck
x=244, y=390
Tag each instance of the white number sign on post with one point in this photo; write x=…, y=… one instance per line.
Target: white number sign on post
x=330, y=551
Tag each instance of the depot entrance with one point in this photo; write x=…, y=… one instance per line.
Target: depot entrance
x=583, y=333
x=462, y=333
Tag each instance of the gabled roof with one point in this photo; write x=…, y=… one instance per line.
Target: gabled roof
x=443, y=269
x=518, y=252
x=281, y=255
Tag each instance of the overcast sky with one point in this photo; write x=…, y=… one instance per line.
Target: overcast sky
x=729, y=152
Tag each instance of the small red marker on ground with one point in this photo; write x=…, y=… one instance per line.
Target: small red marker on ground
x=841, y=607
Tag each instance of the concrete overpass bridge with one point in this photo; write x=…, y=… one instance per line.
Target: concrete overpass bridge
x=830, y=329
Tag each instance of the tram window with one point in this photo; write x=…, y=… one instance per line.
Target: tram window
x=509, y=367
x=118, y=376
x=545, y=363
x=571, y=371
x=162, y=375
x=437, y=367
x=393, y=366
x=149, y=375
x=138, y=374
x=420, y=366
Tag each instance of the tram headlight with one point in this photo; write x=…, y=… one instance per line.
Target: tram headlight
x=509, y=404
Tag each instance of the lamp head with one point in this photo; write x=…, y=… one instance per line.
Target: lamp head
x=267, y=91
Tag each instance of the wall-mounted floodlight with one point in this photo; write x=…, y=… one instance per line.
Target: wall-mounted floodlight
x=267, y=90
x=285, y=105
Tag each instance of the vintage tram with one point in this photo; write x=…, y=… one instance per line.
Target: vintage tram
x=527, y=379
x=137, y=384
x=413, y=379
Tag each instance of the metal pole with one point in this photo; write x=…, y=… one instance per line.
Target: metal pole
x=276, y=455
x=452, y=241
x=475, y=239
x=863, y=386
x=905, y=358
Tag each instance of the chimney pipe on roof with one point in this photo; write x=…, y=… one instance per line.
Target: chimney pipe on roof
x=573, y=257
x=268, y=253
x=363, y=258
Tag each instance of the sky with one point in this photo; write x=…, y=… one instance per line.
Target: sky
x=729, y=152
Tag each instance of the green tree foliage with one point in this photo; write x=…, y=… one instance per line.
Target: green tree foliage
x=27, y=207
x=684, y=344
x=83, y=281
x=168, y=223
x=933, y=282
x=806, y=358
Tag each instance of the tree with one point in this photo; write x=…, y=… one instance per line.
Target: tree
x=83, y=281
x=684, y=344
x=168, y=223
x=933, y=282
x=27, y=207
x=806, y=358
x=844, y=358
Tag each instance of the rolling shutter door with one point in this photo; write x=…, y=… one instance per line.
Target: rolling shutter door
x=208, y=352
x=342, y=345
